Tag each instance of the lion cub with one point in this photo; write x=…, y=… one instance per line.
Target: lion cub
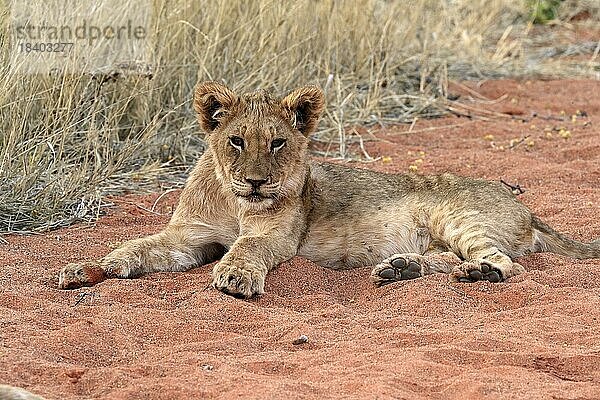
x=255, y=199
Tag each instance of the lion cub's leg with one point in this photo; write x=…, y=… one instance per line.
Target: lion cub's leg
x=488, y=264
x=174, y=249
x=242, y=271
x=412, y=265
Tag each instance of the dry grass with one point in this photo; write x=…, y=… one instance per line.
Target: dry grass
x=66, y=141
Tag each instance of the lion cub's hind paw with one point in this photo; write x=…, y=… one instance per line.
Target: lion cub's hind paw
x=473, y=273
x=74, y=276
x=398, y=267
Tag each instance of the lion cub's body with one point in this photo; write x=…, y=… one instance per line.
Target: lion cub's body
x=359, y=217
x=255, y=200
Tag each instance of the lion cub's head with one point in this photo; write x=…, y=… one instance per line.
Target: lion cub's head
x=258, y=142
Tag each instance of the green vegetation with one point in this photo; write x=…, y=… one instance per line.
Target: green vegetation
x=543, y=11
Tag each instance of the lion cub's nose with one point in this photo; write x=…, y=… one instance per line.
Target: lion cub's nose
x=256, y=182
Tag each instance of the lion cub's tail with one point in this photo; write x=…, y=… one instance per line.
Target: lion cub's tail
x=547, y=239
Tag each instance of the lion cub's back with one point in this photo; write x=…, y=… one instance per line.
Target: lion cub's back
x=339, y=189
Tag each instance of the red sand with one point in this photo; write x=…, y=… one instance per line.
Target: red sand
x=165, y=336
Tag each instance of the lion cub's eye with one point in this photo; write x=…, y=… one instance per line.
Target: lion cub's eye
x=276, y=144
x=237, y=142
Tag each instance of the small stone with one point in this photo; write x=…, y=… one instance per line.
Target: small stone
x=301, y=339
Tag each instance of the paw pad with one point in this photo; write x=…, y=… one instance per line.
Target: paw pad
x=485, y=274
x=396, y=269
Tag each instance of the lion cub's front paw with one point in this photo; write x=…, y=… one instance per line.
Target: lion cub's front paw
x=241, y=281
x=74, y=276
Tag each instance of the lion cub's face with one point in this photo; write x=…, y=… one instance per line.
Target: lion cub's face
x=258, y=142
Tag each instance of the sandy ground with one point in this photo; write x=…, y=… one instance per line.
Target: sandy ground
x=168, y=336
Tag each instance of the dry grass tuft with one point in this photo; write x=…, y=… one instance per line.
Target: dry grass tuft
x=66, y=141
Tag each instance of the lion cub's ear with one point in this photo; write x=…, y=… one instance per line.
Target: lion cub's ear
x=213, y=101
x=304, y=106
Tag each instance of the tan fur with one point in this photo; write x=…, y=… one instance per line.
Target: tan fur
x=14, y=393
x=255, y=200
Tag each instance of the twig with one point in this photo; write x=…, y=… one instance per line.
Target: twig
x=449, y=286
x=362, y=145
x=551, y=118
x=516, y=144
x=515, y=189
x=431, y=128
x=160, y=197
x=481, y=113
x=82, y=296
x=146, y=209
x=412, y=125
x=471, y=91
x=208, y=286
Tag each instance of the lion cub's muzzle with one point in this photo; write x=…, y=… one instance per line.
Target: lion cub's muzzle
x=255, y=190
